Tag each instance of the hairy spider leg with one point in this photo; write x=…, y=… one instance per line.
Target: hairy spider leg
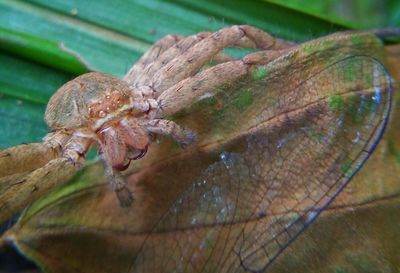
x=190, y=61
x=182, y=94
x=182, y=136
x=264, y=56
x=24, y=190
x=25, y=158
x=54, y=166
x=118, y=184
x=181, y=45
x=150, y=56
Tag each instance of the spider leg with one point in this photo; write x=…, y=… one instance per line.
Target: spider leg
x=181, y=135
x=181, y=45
x=150, y=56
x=190, y=61
x=184, y=93
x=19, y=191
x=263, y=57
x=118, y=184
x=222, y=58
x=55, y=161
x=25, y=157
x=257, y=38
x=167, y=49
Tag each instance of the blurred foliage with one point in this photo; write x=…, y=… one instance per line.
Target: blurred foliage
x=354, y=13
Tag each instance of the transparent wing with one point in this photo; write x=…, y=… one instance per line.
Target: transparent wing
x=265, y=186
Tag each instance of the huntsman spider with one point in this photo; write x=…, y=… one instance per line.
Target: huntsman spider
x=119, y=115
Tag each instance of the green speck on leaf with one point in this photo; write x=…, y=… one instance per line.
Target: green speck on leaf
x=325, y=43
x=209, y=244
x=259, y=73
x=328, y=43
x=352, y=104
x=210, y=101
x=347, y=169
x=309, y=49
x=360, y=108
x=398, y=102
x=350, y=72
x=393, y=150
x=369, y=79
x=364, y=264
x=244, y=100
x=312, y=134
x=339, y=270
x=336, y=103
x=175, y=146
x=221, y=113
x=357, y=39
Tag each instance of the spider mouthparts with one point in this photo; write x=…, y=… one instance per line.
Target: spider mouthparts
x=122, y=167
x=141, y=154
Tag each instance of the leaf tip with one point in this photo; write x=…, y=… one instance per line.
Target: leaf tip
x=76, y=55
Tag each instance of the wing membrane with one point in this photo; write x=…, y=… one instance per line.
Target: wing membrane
x=269, y=184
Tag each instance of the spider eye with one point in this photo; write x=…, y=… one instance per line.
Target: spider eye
x=102, y=114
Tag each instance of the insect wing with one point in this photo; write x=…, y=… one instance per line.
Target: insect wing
x=268, y=184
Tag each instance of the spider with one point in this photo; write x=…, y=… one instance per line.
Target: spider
x=120, y=116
